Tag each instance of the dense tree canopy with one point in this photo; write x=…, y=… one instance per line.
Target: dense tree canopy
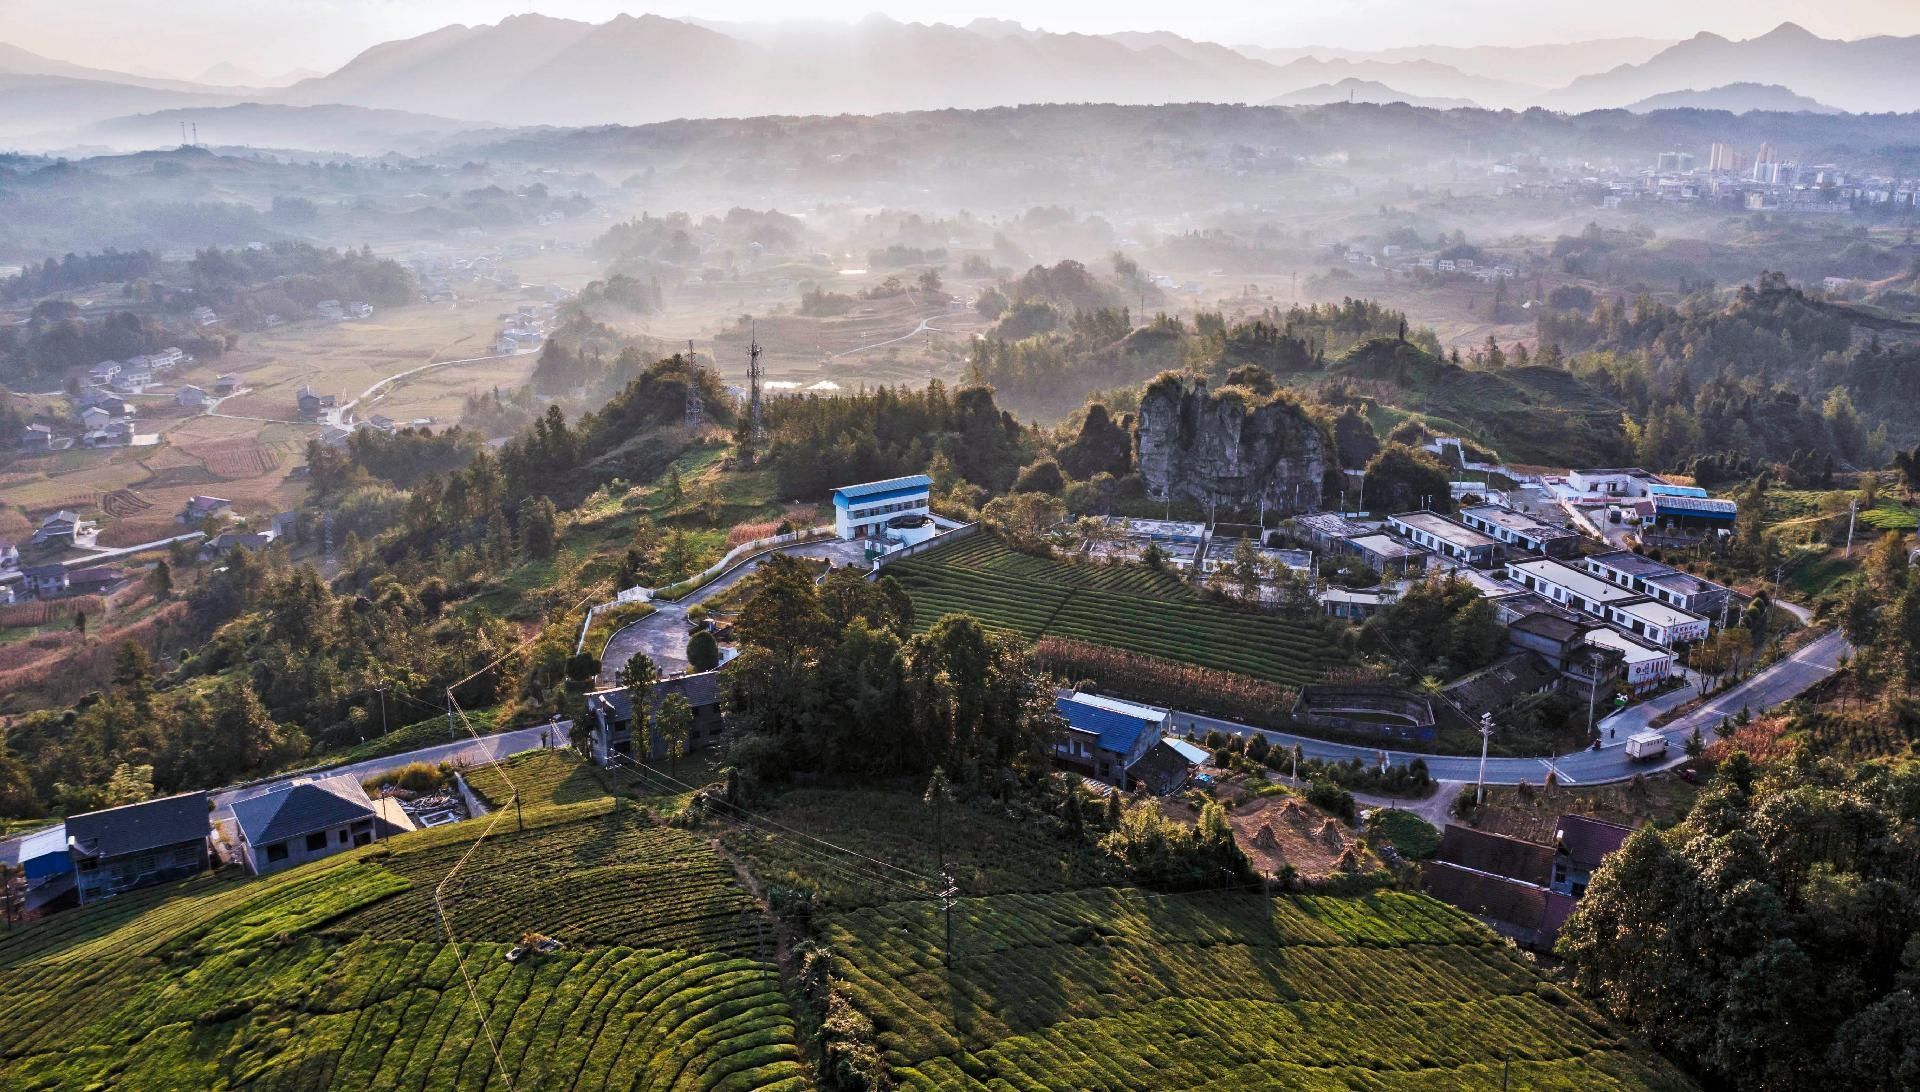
x=1773, y=939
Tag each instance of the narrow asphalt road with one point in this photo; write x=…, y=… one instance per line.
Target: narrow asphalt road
x=465, y=751
x=1779, y=683
x=662, y=635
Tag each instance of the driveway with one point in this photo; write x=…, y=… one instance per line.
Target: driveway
x=1782, y=682
x=662, y=635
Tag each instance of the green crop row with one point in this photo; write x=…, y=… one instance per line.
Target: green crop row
x=394, y=1014
x=1036, y=598
x=1117, y=988
x=607, y=880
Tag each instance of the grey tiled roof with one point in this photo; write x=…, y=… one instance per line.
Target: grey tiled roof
x=701, y=689
x=136, y=828
x=301, y=808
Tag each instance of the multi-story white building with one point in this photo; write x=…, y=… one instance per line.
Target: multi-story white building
x=861, y=511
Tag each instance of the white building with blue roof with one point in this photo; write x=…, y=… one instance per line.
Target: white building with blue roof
x=1106, y=735
x=864, y=510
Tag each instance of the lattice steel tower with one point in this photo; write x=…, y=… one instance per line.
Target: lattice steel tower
x=756, y=428
x=696, y=402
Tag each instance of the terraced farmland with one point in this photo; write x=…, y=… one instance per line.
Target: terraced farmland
x=337, y=974
x=1126, y=607
x=1122, y=989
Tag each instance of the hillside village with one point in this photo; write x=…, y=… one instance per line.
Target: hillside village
x=1053, y=558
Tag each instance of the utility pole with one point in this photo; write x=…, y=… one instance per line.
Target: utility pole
x=451, y=734
x=1853, y=509
x=947, y=894
x=383, y=709
x=1486, y=737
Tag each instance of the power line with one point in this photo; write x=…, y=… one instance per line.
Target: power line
x=440, y=889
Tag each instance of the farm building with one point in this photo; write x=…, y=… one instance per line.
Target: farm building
x=1106, y=736
x=1327, y=530
x=1522, y=532
x=1613, y=482
x=93, y=581
x=1569, y=586
x=1354, y=606
x=1523, y=889
x=1647, y=664
x=313, y=405
x=44, y=581
x=1689, y=507
x=613, y=717
x=9, y=555
x=1448, y=538
x=43, y=862
x=304, y=820
x=199, y=508
x=863, y=510
x=1658, y=622
x=1669, y=585
x=1385, y=554
x=137, y=845
x=1166, y=766
x=1496, y=687
x=192, y=397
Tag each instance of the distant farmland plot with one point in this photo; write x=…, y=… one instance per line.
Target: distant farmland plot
x=1125, y=606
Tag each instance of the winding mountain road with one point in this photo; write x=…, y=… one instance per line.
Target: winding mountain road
x=1779, y=683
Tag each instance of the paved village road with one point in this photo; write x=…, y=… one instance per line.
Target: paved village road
x=1778, y=683
x=465, y=751
x=662, y=635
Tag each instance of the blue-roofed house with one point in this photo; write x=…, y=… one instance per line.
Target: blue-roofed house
x=861, y=511
x=43, y=861
x=1105, y=735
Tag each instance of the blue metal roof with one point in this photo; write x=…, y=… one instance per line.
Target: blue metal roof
x=1665, y=490
x=44, y=852
x=864, y=489
x=1118, y=732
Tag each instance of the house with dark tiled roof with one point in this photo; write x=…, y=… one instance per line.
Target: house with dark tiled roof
x=613, y=717
x=1166, y=767
x=1501, y=684
x=1522, y=889
x=137, y=845
x=304, y=820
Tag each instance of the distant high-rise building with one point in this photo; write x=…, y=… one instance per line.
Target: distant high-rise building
x=1722, y=157
x=1674, y=162
x=1764, y=155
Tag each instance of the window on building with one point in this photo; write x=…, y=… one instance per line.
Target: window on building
x=277, y=852
x=343, y=837
x=316, y=842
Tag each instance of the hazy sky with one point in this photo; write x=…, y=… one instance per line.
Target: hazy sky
x=184, y=37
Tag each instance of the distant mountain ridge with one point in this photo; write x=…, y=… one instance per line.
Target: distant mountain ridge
x=1736, y=98
x=1869, y=75
x=541, y=70
x=1354, y=90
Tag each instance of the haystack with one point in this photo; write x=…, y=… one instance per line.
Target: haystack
x=1329, y=833
x=1264, y=838
x=1349, y=860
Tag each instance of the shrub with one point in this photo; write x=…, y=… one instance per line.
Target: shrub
x=1330, y=797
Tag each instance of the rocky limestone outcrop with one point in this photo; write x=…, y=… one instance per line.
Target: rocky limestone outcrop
x=1228, y=449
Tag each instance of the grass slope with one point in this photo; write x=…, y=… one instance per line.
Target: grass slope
x=1123, y=606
